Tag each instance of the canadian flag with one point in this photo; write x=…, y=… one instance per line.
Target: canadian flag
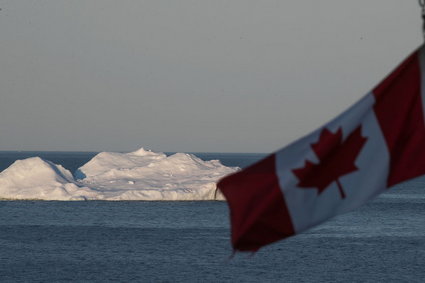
x=374, y=145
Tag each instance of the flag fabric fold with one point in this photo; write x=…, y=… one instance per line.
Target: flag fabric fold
x=374, y=145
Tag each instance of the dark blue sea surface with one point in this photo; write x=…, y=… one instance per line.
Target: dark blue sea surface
x=95, y=241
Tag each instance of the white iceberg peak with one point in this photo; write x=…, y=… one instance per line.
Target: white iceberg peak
x=35, y=178
x=36, y=168
x=142, y=152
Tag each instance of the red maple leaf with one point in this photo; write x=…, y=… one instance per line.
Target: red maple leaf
x=336, y=159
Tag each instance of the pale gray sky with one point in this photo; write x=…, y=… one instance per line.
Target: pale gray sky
x=190, y=75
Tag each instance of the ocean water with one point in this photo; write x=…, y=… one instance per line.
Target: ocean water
x=189, y=241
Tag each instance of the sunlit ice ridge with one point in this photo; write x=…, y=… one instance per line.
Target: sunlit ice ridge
x=111, y=176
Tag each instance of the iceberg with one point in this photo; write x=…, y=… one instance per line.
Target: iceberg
x=139, y=175
x=35, y=178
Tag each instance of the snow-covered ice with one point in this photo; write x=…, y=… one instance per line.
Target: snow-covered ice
x=139, y=175
x=35, y=178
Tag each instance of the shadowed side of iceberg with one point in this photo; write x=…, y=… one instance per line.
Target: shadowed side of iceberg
x=79, y=175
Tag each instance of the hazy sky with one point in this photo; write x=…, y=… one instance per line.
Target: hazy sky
x=198, y=75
